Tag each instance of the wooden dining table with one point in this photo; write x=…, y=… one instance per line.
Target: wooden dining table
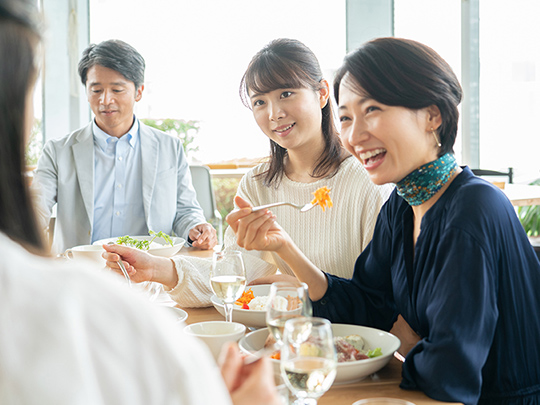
x=384, y=383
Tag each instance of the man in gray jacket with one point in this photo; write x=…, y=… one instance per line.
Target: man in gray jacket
x=116, y=176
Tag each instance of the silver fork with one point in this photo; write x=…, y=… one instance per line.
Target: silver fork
x=302, y=208
x=121, y=265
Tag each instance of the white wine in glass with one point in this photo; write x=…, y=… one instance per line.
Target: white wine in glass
x=286, y=300
x=308, y=358
x=228, y=278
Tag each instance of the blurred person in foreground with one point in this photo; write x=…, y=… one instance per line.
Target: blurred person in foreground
x=117, y=176
x=448, y=251
x=72, y=335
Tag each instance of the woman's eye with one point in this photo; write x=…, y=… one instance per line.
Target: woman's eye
x=257, y=103
x=342, y=119
x=286, y=94
x=371, y=108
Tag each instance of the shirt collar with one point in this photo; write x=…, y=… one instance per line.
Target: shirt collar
x=103, y=139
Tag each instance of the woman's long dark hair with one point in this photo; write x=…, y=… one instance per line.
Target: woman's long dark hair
x=406, y=73
x=19, y=39
x=288, y=63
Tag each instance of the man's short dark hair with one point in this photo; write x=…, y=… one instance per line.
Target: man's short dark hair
x=116, y=55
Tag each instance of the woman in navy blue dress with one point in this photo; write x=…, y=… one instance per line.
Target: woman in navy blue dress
x=448, y=251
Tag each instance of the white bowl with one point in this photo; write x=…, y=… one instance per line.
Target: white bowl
x=91, y=252
x=347, y=372
x=216, y=333
x=166, y=250
x=178, y=313
x=248, y=317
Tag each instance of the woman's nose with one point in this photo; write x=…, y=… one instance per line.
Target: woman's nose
x=275, y=112
x=356, y=133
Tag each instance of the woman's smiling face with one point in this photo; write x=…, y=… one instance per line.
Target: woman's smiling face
x=390, y=141
x=290, y=117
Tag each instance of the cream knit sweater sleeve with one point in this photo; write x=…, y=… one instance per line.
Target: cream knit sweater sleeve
x=193, y=288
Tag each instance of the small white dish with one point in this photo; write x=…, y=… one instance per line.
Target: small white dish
x=165, y=250
x=91, y=252
x=347, y=372
x=248, y=317
x=178, y=313
x=216, y=333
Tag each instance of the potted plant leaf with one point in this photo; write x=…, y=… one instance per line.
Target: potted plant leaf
x=182, y=129
x=529, y=217
x=33, y=150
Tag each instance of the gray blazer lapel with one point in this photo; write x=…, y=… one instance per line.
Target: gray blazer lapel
x=149, y=164
x=83, y=154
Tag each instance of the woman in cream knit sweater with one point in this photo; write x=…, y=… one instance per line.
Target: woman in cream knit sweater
x=283, y=86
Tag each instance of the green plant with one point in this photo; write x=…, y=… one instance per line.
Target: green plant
x=529, y=216
x=182, y=129
x=35, y=146
x=225, y=190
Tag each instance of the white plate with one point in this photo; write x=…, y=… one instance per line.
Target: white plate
x=166, y=250
x=347, y=372
x=248, y=317
x=180, y=314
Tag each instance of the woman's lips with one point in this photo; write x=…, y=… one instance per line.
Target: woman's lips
x=373, y=158
x=284, y=130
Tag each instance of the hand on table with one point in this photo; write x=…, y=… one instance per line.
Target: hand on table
x=204, y=236
x=256, y=230
x=248, y=383
x=141, y=266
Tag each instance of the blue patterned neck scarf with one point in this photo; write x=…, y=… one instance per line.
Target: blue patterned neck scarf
x=423, y=183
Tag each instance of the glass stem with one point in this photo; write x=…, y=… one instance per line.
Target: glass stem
x=228, y=311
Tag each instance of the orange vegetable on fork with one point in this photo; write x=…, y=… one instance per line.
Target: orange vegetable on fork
x=322, y=197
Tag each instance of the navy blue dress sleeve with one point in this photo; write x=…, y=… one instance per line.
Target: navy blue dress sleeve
x=367, y=298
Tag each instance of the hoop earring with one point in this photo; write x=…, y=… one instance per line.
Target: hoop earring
x=436, y=137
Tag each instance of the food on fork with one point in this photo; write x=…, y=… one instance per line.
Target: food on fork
x=322, y=197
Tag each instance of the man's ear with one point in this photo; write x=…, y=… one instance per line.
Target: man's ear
x=138, y=92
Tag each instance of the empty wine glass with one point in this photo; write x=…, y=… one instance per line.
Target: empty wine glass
x=308, y=358
x=286, y=300
x=228, y=278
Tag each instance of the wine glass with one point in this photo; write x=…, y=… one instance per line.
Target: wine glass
x=286, y=300
x=308, y=358
x=228, y=278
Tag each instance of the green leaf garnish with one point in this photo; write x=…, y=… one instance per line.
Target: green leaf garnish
x=143, y=244
x=374, y=353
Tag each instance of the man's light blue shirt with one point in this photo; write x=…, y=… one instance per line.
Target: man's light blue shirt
x=118, y=200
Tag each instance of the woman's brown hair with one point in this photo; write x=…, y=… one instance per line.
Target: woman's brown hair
x=19, y=39
x=406, y=73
